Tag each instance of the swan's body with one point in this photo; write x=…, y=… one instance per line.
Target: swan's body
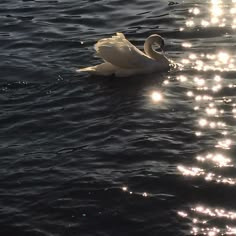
x=123, y=59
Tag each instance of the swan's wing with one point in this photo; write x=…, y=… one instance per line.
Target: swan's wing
x=118, y=51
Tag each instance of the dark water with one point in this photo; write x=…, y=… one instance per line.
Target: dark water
x=88, y=156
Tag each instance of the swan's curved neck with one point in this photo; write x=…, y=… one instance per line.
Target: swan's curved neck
x=148, y=47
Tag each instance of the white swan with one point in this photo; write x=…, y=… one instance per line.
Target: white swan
x=123, y=59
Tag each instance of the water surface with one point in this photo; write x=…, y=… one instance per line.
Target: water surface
x=148, y=155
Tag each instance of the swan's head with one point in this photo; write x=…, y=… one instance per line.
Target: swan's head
x=156, y=39
x=151, y=41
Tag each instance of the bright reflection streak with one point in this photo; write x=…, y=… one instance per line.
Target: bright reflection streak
x=205, y=23
x=222, y=61
x=186, y=45
x=182, y=78
x=233, y=10
x=217, y=212
x=193, y=171
x=203, y=122
x=182, y=213
x=217, y=159
x=190, y=23
x=224, y=144
x=217, y=11
x=145, y=194
x=166, y=82
x=203, y=98
x=207, y=99
x=195, y=11
x=156, y=96
x=208, y=176
x=212, y=125
x=185, y=61
x=217, y=78
x=199, y=82
x=211, y=111
x=198, y=133
x=216, y=88
x=124, y=188
x=219, y=15
x=221, y=124
x=223, y=57
x=190, y=94
x=192, y=56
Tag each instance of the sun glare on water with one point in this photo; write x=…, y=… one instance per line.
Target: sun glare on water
x=156, y=96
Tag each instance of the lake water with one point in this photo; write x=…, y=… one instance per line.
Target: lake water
x=147, y=155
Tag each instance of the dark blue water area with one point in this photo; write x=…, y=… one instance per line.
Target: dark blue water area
x=145, y=155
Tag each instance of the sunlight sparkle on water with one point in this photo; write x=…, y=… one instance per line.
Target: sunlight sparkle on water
x=205, y=23
x=204, y=220
x=156, y=96
x=213, y=99
x=193, y=56
x=190, y=23
x=199, y=82
x=185, y=61
x=223, y=57
x=215, y=212
x=203, y=98
x=224, y=144
x=190, y=94
x=207, y=176
x=198, y=133
x=182, y=78
x=217, y=159
x=192, y=171
x=233, y=10
x=186, y=45
x=125, y=188
x=217, y=78
x=216, y=9
x=203, y=122
x=211, y=111
x=194, y=10
x=145, y=194
x=182, y=213
x=216, y=88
